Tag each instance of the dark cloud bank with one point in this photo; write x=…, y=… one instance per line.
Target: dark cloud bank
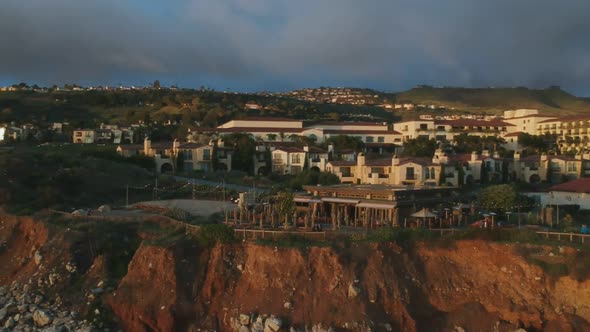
x=280, y=44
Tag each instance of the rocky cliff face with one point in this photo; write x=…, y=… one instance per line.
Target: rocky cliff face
x=473, y=285
x=53, y=278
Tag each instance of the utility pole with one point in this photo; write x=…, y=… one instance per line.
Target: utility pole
x=127, y=196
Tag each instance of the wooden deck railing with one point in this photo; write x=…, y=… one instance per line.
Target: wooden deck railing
x=582, y=238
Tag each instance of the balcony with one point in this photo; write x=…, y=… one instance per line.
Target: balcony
x=411, y=177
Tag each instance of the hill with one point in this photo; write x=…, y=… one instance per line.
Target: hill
x=550, y=100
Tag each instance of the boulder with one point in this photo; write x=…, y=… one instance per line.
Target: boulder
x=97, y=291
x=42, y=317
x=9, y=323
x=288, y=305
x=243, y=328
x=353, y=291
x=104, y=208
x=38, y=257
x=244, y=319
x=3, y=291
x=272, y=324
x=3, y=313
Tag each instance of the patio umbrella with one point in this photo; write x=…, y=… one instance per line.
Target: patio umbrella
x=423, y=214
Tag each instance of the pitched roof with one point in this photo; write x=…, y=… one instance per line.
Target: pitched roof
x=264, y=118
x=362, y=131
x=474, y=122
x=290, y=149
x=350, y=123
x=342, y=163
x=259, y=130
x=191, y=146
x=378, y=162
x=581, y=185
x=516, y=134
x=582, y=117
x=417, y=160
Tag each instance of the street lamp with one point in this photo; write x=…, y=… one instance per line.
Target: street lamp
x=508, y=213
x=492, y=214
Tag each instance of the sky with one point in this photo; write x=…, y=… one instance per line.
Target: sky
x=279, y=45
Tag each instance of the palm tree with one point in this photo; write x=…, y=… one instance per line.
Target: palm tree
x=285, y=206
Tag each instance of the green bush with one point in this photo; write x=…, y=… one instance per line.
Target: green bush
x=213, y=233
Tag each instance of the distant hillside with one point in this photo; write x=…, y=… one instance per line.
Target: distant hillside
x=549, y=100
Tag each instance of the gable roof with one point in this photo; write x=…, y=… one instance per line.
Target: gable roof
x=581, y=185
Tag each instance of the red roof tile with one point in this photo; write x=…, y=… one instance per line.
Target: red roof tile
x=362, y=131
x=342, y=163
x=581, y=185
x=258, y=130
x=474, y=123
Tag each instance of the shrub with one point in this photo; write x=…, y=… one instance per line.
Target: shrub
x=213, y=233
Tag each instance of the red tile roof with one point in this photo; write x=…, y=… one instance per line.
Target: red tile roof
x=474, y=123
x=581, y=185
x=263, y=118
x=259, y=130
x=417, y=160
x=191, y=146
x=289, y=149
x=378, y=162
x=342, y=163
x=351, y=123
x=582, y=117
x=516, y=134
x=361, y=131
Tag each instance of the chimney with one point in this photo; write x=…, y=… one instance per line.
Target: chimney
x=395, y=160
x=543, y=157
x=220, y=143
x=147, y=146
x=516, y=155
x=360, y=159
x=474, y=156
x=331, y=148
x=485, y=153
x=306, y=148
x=496, y=155
x=175, y=145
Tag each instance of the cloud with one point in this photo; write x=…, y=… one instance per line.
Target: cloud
x=278, y=44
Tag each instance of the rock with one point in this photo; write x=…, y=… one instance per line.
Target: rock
x=70, y=267
x=3, y=313
x=243, y=328
x=288, y=305
x=244, y=319
x=38, y=257
x=22, y=308
x=97, y=291
x=353, y=291
x=458, y=329
x=388, y=327
x=9, y=323
x=3, y=291
x=320, y=328
x=38, y=299
x=258, y=325
x=100, y=284
x=42, y=317
x=104, y=208
x=272, y=324
x=520, y=330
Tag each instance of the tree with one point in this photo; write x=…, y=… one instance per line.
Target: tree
x=346, y=142
x=419, y=147
x=285, y=206
x=500, y=197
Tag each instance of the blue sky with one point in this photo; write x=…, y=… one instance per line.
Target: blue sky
x=277, y=45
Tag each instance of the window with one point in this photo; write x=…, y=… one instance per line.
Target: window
x=410, y=173
x=206, y=154
x=423, y=126
x=572, y=167
x=188, y=154
x=369, y=139
x=432, y=173
x=378, y=170
x=427, y=174
x=78, y=134
x=345, y=172
x=381, y=139
x=295, y=158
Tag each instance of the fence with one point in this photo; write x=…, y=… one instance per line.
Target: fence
x=571, y=236
x=255, y=234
